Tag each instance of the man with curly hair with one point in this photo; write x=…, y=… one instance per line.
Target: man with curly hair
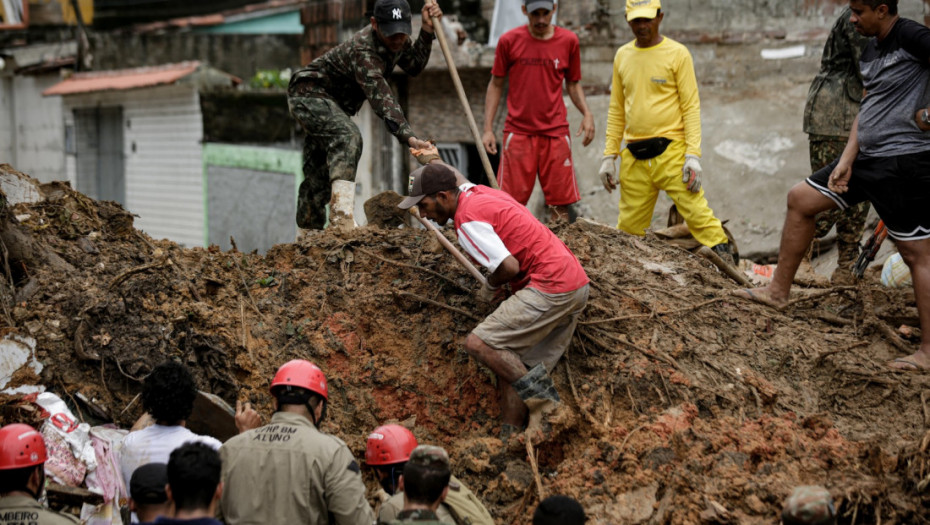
x=168, y=397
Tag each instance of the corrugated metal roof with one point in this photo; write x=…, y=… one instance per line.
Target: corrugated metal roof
x=122, y=79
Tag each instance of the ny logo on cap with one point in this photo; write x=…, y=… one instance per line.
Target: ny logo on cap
x=396, y=13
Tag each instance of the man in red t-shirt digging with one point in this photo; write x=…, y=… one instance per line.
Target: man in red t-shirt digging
x=523, y=339
x=537, y=58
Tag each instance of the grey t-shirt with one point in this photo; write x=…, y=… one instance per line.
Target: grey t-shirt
x=895, y=73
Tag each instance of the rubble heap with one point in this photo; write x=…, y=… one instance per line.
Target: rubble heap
x=689, y=405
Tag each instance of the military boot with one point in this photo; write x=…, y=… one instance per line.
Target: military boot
x=541, y=398
x=847, y=253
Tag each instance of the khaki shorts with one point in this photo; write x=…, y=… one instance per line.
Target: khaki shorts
x=536, y=326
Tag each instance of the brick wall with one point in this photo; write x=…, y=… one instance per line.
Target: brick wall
x=434, y=108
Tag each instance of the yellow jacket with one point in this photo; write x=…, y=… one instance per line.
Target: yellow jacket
x=654, y=93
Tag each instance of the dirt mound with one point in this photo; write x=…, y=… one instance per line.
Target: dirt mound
x=687, y=405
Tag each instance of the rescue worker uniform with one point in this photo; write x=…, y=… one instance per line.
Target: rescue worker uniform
x=423, y=516
x=289, y=472
x=460, y=507
x=832, y=106
x=18, y=510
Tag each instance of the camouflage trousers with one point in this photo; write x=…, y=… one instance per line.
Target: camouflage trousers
x=849, y=222
x=331, y=151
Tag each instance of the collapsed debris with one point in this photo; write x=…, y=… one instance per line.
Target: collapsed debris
x=689, y=405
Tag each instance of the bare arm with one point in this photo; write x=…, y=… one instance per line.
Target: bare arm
x=839, y=178
x=576, y=93
x=491, y=102
x=505, y=272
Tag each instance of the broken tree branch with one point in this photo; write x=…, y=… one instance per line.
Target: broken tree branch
x=435, y=303
x=652, y=314
x=599, y=428
x=531, y=457
x=413, y=267
x=119, y=279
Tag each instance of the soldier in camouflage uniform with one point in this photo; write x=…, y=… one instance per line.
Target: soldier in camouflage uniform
x=809, y=505
x=832, y=106
x=426, y=483
x=325, y=94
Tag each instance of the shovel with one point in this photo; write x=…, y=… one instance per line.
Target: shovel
x=448, y=246
x=454, y=73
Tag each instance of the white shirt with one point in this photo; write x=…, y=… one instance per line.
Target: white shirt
x=153, y=445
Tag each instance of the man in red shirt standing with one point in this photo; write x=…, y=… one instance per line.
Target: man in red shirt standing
x=523, y=339
x=537, y=58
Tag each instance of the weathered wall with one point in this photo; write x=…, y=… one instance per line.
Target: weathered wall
x=6, y=120
x=31, y=134
x=754, y=147
x=434, y=107
x=256, y=117
x=39, y=145
x=240, y=55
x=712, y=17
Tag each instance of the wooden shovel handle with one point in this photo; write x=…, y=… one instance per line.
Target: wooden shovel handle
x=453, y=72
x=448, y=246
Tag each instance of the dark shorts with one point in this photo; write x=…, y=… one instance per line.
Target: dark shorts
x=898, y=187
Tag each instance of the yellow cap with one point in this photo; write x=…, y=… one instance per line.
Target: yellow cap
x=642, y=9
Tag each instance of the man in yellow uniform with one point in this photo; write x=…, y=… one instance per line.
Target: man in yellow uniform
x=655, y=109
x=22, y=478
x=288, y=471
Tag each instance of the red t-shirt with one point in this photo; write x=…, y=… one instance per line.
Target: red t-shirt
x=491, y=225
x=536, y=71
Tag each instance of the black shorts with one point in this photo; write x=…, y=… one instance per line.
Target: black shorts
x=898, y=187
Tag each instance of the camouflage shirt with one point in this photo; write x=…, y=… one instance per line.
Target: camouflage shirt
x=424, y=517
x=358, y=69
x=834, y=96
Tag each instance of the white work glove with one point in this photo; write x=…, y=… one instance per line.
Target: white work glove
x=691, y=173
x=607, y=172
x=487, y=293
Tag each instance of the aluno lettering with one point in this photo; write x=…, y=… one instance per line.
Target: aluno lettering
x=274, y=433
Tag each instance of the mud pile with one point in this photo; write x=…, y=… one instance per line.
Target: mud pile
x=687, y=405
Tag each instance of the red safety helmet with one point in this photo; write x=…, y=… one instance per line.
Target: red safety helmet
x=302, y=374
x=389, y=444
x=20, y=447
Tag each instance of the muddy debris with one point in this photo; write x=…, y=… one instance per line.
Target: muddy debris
x=688, y=405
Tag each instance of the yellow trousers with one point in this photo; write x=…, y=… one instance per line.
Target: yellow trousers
x=640, y=183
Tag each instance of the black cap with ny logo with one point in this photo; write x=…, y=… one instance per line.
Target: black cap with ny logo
x=393, y=17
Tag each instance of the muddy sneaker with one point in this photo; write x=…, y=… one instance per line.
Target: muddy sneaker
x=541, y=398
x=725, y=253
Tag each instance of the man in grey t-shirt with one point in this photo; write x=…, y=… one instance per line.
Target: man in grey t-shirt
x=886, y=161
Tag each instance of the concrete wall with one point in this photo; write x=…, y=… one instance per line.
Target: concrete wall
x=32, y=135
x=163, y=158
x=240, y=55
x=7, y=121
x=251, y=195
x=40, y=142
x=754, y=147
